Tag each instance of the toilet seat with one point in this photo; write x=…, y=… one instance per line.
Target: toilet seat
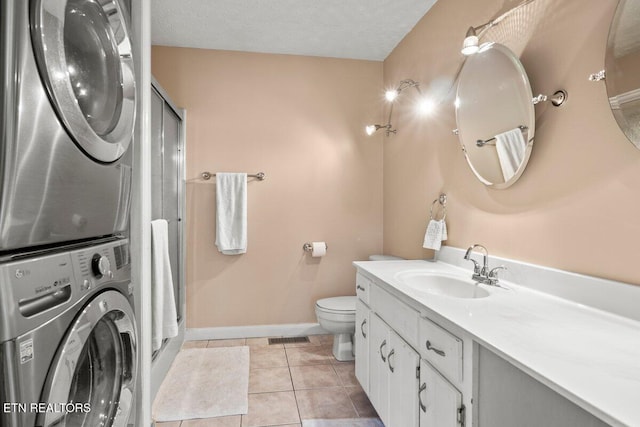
x=337, y=305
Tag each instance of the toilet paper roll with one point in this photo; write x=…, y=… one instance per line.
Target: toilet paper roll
x=319, y=249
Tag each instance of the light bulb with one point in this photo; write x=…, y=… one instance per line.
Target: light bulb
x=426, y=106
x=391, y=95
x=370, y=129
x=470, y=45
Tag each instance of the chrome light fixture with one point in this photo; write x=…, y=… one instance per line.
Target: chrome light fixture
x=391, y=96
x=470, y=45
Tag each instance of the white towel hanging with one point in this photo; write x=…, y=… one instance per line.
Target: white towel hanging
x=163, y=313
x=231, y=213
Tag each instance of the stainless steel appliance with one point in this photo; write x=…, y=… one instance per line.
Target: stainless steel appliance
x=68, y=340
x=67, y=118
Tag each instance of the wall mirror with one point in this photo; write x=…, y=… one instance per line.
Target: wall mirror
x=495, y=115
x=622, y=65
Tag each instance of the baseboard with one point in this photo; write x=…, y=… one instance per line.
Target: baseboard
x=255, y=331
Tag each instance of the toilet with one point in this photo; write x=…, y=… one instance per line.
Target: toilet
x=338, y=316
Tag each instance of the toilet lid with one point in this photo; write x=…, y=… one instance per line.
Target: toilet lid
x=338, y=303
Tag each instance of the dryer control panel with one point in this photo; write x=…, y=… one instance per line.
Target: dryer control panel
x=36, y=289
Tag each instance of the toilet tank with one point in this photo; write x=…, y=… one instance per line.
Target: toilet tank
x=383, y=258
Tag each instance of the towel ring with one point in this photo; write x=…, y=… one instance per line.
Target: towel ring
x=442, y=200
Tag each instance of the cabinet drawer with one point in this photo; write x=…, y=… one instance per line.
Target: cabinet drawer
x=363, y=286
x=402, y=318
x=442, y=349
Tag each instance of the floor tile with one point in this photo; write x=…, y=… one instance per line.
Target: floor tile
x=269, y=409
x=312, y=355
x=327, y=403
x=314, y=376
x=265, y=357
x=168, y=424
x=324, y=339
x=262, y=342
x=195, y=344
x=265, y=380
x=361, y=402
x=226, y=343
x=233, y=421
x=347, y=374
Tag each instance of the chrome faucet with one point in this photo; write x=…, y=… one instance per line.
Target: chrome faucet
x=483, y=274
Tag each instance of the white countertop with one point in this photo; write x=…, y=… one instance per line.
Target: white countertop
x=587, y=355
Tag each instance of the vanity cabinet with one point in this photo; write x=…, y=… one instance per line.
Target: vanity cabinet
x=440, y=402
x=406, y=364
x=393, y=376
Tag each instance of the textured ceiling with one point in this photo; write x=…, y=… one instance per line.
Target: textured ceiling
x=358, y=29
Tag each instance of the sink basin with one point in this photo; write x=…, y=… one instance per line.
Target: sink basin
x=441, y=284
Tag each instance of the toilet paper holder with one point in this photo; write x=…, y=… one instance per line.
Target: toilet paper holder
x=308, y=247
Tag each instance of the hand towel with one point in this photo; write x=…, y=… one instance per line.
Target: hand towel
x=164, y=315
x=511, y=148
x=231, y=213
x=436, y=233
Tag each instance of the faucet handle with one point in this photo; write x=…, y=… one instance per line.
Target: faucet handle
x=467, y=257
x=494, y=271
x=493, y=274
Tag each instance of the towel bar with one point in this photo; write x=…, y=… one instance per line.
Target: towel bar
x=483, y=142
x=260, y=176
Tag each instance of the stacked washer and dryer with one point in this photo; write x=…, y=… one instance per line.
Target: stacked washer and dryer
x=68, y=333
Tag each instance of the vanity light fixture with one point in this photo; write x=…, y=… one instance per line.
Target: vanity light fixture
x=424, y=106
x=470, y=45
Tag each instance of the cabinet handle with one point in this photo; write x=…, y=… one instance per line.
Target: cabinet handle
x=384, y=359
x=435, y=350
x=422, y=388
x=361, y=288
x=364, y=335
x=391, y=353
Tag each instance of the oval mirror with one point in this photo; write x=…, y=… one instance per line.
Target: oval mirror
x=495, y=115
x=622, y=64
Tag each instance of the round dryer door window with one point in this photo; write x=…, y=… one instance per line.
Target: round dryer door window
x=92, y=379
x=83, y=51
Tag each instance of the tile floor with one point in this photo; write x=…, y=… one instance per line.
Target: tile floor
x=289, y=383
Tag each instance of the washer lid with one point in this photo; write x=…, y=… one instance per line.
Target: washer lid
x=338, y=303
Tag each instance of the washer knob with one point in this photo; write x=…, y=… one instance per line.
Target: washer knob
x=100, y=265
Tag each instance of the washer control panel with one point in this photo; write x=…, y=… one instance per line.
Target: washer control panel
x=35, y=289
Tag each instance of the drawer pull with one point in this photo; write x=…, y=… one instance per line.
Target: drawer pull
x=360, y=288
x=422, y=388
x=384, y=359
x=364, y=335
x=391, y=353
x=435, y=350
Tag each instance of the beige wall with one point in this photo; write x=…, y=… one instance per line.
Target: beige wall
x=577, y=206
x=300, y=120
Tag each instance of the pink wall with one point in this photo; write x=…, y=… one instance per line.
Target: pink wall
x=300, y=120
x=577, y=205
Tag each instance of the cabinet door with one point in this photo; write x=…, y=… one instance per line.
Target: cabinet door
x=403, y=362
x=362, y=345
x=440, y=402
x=378, y=369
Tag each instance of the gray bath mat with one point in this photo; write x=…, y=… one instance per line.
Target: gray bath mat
x=351, y=422
x=205, y=383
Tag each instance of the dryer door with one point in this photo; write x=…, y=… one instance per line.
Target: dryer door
x=92, y=380
x=83, y=51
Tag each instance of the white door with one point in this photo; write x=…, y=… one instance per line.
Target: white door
x=361, y=337
x=439, y=401
x=403, y=362
x=378, y=369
